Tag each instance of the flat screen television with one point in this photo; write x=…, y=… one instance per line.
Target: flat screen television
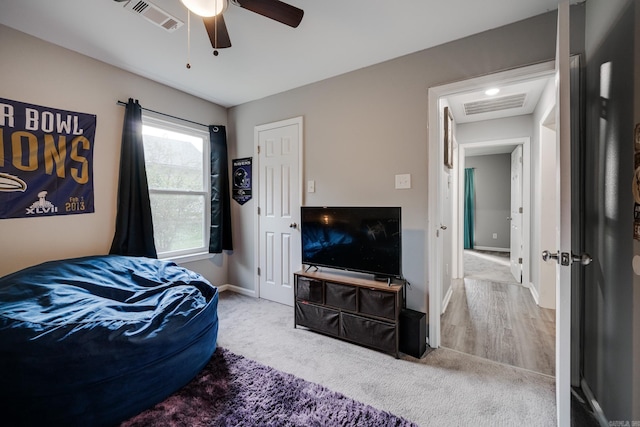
x=360, y=239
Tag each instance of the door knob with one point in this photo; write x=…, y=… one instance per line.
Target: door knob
x=293, y=225
x=546, y=256
x=443, y=227
x=583, y=259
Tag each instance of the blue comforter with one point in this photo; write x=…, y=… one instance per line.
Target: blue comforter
x=95, y=340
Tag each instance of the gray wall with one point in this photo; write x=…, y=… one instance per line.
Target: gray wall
x=493, y=199
x=38, y=72
x=611, y=299
x=362, y=128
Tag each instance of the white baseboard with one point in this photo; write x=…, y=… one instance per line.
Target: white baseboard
x=447, y=298
x=534, y=293
x=236, y=289
x=489, y=248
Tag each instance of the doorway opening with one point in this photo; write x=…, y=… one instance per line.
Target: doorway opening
x=491, y=133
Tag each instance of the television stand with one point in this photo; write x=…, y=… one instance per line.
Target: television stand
x=349, y=307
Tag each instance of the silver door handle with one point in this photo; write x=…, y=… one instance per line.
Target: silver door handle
x=583, y=259
x=443, y=227
x=293, y=225
x=546, y=256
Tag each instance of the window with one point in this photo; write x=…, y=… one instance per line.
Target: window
x=176, y=160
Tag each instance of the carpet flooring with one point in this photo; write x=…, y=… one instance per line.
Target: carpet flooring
x=234, y=391
x=444, y=387
x=483, y=266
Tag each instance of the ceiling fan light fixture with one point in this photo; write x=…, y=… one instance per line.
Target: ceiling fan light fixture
x=206, y=8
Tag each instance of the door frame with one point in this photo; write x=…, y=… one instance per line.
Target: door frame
x=435, y=153
x=256, y=181
x=525, y=142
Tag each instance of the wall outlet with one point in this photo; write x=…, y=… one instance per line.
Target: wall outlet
x=311, y=186
x=495, y=235
x=403, y=181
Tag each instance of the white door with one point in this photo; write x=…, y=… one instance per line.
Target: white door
x=445, y=231
x=280, y=196
x=516, y=213
x=562, y=253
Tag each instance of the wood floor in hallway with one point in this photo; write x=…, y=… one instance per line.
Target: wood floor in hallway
x=499, y=321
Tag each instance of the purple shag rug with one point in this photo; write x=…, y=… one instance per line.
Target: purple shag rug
x=234, y=391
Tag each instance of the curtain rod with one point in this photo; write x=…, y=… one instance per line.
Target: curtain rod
x=165, y=114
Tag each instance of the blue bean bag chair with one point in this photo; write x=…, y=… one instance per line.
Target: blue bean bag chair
x=93, y=341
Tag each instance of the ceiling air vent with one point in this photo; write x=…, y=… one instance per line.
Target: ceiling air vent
x=154, y=14
x=495, y=104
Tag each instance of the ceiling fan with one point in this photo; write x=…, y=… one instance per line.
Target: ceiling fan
x=212, y=15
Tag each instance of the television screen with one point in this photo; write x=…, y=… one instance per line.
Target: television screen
x=363, y=239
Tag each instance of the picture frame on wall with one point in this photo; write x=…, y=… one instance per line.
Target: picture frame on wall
x=448, y=138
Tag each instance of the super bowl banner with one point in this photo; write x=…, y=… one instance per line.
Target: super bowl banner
x=46, y=161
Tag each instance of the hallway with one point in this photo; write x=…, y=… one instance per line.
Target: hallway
x=491, y=316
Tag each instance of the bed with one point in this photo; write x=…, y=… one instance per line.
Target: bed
x=93, y=341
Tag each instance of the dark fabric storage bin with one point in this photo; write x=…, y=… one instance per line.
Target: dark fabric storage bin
x=309, y=290
x=319, y=318
x=369, y=332
x=377, y=303
x=341, y=296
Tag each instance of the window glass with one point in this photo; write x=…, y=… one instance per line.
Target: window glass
x=176, y=159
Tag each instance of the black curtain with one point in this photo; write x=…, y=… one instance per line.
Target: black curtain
x=134, y=227
x=220, y=232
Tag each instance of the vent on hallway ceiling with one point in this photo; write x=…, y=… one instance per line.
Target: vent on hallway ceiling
x=154, y=14
x=495, y=104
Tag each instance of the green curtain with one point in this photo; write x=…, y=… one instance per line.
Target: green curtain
x=469, y=207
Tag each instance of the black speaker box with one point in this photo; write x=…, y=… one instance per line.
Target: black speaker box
x=413, y=332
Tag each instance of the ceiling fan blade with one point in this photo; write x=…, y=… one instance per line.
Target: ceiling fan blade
x=274, y=9
x=217, y=30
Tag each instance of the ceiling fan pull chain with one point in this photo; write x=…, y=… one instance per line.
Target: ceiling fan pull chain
x=188, y=39
x=215, y=25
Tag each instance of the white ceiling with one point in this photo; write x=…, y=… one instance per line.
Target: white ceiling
x=530, y=90
x=266, y=57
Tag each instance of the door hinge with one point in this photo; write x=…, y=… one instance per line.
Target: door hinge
x=258, y=149
x=258, y=271
x=519, y=260
x=258, y=210
x=520, y=209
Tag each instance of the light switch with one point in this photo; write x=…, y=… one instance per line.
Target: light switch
x=311, y=186
x=403, y=181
